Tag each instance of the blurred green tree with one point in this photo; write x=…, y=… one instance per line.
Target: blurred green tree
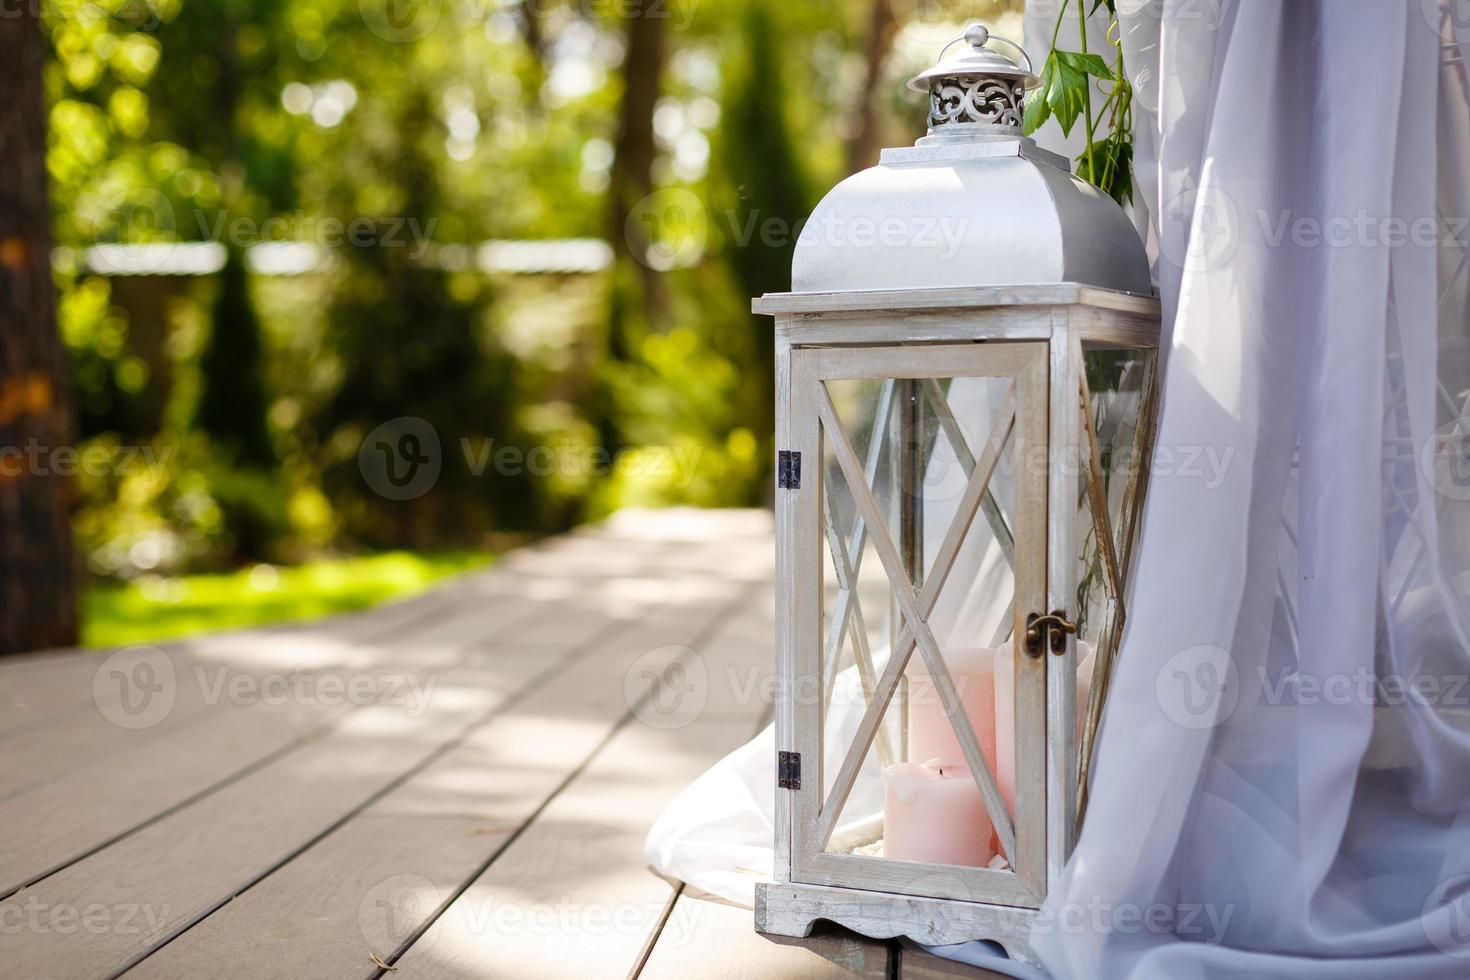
x=762, y=188
x=232, y=400
x=257, y=121
x=410, y=339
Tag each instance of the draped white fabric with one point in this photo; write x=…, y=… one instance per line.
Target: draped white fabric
x=1285, y=759
x=1282, y=785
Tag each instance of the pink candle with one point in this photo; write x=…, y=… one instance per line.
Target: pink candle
x=933, y=812
x=931, y=735
x=1005, y=723
x=1005, y=712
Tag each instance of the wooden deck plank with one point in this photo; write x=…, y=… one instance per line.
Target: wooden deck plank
x=706, y=937
x=740, y=668
x=55, y=691
x=72, y=815
x=39, y=694
x=579, y=864
x=90, y=733
x=43, y=754
x=368, y=887
x=62, y=822
x=571, y=896
x=710, y=939
x=184, y=865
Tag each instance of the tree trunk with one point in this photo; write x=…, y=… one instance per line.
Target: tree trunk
x=637, y=300
x=631, y=179
x=862, y=148
x=38, y=572
x=532, y=32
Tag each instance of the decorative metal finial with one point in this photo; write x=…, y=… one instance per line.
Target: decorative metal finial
x=976, y=92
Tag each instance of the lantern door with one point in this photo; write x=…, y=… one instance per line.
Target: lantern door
x=1103, y=399
x=913, y=548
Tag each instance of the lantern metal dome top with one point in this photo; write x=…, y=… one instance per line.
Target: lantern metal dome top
x=972, y=203
x=978, y=61
x=977, y=87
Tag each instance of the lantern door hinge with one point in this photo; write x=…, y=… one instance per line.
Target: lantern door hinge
x=1052, y=627
x=788, y=470
x=788, y=770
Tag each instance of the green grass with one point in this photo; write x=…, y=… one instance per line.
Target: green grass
x=159, y=609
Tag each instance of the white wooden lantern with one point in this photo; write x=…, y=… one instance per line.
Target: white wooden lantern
x=966, y=387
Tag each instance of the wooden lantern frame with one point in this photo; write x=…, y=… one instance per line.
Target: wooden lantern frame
x=1035, y=336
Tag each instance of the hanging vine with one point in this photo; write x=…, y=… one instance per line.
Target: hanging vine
x=1066, y=92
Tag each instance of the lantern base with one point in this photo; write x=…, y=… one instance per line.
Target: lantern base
x=791, y=909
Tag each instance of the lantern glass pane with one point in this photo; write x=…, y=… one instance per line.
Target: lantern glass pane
x=919, y=442
x=1108, y=474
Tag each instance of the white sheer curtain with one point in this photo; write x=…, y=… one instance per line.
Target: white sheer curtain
x=1285, y=760
x=1282, y=785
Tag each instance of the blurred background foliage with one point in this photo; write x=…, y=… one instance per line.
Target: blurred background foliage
x=271, y=221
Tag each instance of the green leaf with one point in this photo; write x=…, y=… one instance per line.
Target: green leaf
x=1121, y=184
x=1037, y=109
x=1037, y=113
x=1067, y=92
x=1114, y=159
x=1112, y=6
x=1091, y=64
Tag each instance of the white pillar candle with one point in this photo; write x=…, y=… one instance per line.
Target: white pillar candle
x=933, y=812
x=931, y=735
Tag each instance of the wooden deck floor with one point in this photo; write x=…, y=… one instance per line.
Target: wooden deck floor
x=452, y=786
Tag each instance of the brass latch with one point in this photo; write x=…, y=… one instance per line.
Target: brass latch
x=1055, y=625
